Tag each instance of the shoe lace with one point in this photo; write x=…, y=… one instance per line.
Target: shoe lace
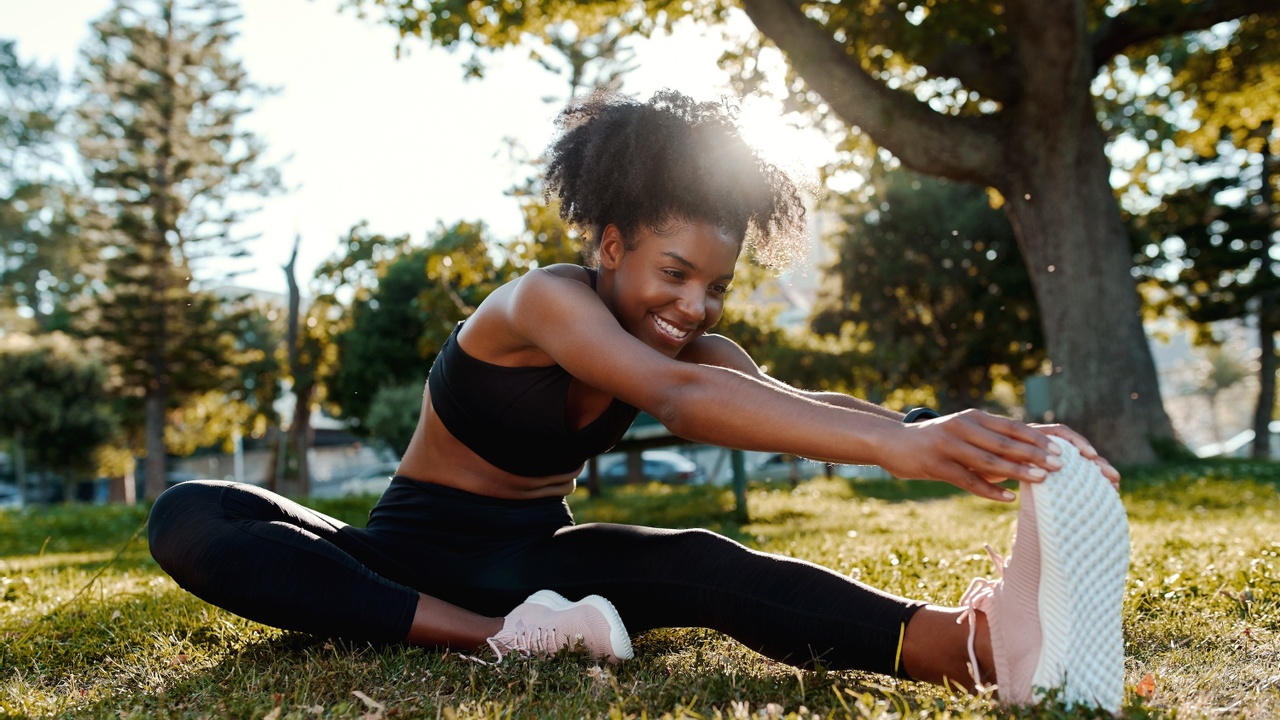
x=977, y=598
x=526, y=641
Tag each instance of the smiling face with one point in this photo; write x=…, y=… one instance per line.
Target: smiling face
x=669, y=287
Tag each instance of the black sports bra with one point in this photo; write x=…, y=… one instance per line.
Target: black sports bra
x=514, y=417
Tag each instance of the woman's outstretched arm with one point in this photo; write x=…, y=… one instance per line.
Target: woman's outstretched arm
x=727, y=407
x=721, y=351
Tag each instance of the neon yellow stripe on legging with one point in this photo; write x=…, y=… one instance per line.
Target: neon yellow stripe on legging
x=897, y=658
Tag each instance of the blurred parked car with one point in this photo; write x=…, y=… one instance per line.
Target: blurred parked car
x=780, y=466
x=10, y=497
x=372, y=481
x=173, y=477
x=662, y=465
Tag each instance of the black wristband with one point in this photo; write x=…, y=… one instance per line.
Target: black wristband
x=919, y=414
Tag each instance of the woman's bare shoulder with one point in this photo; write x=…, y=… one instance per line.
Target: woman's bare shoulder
x=713, y=349
x=569, y=271
x=531, y=296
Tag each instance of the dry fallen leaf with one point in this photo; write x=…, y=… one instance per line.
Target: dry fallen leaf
x=376, y=709
x=1147, y=686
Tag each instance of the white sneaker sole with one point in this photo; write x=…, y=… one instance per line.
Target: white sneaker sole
x=619, y=640
x=1084, y=560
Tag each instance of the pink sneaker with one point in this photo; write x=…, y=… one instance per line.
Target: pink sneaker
x=1055, y=613
x=546, y=623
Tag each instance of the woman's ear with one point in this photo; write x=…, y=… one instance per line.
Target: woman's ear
x=611, y=247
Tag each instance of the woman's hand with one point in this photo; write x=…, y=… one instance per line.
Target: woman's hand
x=1084, y=447
x=974, y=450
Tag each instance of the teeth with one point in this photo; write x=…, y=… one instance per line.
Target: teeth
x=671, y=329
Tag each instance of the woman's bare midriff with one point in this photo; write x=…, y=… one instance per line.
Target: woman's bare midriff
x=436, y=456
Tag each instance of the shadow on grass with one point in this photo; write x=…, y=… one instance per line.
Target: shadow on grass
x=893, y=490
x=1164, y=475
x=658, y=505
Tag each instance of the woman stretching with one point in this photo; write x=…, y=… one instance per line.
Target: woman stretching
x=473, y=540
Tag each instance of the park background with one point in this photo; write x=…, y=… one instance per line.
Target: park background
x=221, y=247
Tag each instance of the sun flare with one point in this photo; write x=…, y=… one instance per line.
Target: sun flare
x=782, y=138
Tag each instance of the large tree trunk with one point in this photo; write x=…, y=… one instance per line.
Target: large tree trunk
x=1075, y=246
x=1068, y=225
x=1055, y=176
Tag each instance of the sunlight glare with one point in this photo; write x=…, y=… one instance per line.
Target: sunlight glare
x=782, y=139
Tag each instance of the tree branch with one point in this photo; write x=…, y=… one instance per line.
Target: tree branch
x=975, y=69
x=960, y=148
x=1143, y=23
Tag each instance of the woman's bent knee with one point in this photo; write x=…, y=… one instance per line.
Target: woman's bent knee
x=182, y=516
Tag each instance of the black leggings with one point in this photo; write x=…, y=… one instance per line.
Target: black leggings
x=272, y=560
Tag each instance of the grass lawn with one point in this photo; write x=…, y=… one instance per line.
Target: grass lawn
x=90, y=627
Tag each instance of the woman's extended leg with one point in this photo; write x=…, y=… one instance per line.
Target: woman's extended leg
x=935, y=647
x=787, y=609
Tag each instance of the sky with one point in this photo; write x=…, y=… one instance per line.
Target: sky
x=404, y=144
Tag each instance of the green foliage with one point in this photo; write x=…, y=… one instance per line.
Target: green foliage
x=546, y=239
x=43, y=257
x=258, y=330
x=405, y=302
x=462, y=273
x=385, y=307
x=185, y=337
x=801, y=359
x=161, y=130
x=93, y=629
x=1209, y=251
x=1235, y=85
x=1207, y=243
x=54, y=400
x=930, y=278
x=575, y=30
x=347, y=278
x=381, y=346
x=393, y=414
x=1189, y=100
x=29, y=111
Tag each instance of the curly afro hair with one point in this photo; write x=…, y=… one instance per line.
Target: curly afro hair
x=633, y=164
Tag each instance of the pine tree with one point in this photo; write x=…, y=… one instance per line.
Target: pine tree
x=162, y=139
x=43, y=260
